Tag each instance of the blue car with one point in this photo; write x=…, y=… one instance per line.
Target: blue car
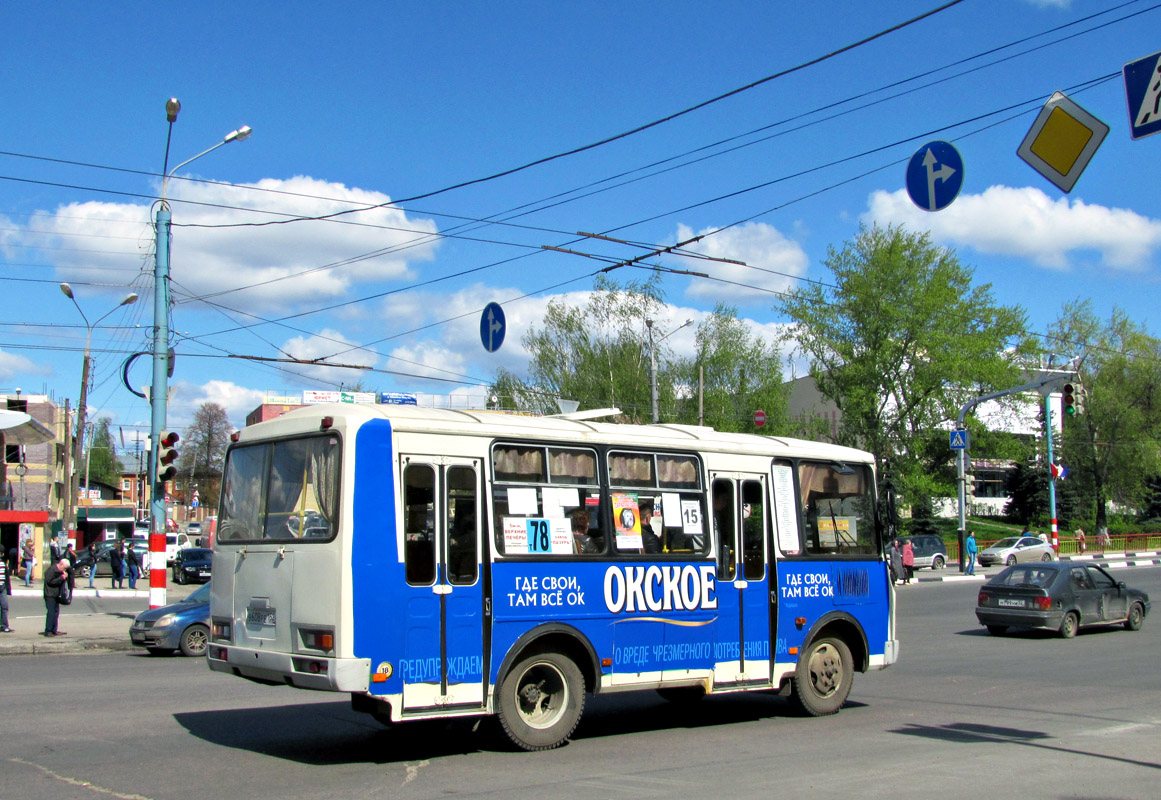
x=184, y=625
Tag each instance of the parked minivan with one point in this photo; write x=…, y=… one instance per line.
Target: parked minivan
x=929, y=550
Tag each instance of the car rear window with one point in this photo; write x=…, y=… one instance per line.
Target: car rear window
x=1030, y=575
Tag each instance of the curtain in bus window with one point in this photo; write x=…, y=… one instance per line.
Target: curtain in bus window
x=572, y=466
x=677, y=472
x=324, y=473
x=524, y=464
x=287, y=477
x=631, y=470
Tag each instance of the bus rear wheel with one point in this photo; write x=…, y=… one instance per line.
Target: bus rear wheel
x=541, y=700
x=823, y=678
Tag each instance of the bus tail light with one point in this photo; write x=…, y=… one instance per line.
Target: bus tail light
x=218, y=653
x=221, y=631
x=318, y=639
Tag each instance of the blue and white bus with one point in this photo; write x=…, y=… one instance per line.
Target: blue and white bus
x=441, y=563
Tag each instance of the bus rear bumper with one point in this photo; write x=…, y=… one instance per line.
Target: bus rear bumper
x=303, y=671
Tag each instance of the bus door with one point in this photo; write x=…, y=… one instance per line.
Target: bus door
x=742, y=654
x=443, y=599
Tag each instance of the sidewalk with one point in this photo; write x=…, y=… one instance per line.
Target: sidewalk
x=86, y=631
x=1147, y=558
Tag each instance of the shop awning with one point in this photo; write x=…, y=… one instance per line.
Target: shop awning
x=105, y=513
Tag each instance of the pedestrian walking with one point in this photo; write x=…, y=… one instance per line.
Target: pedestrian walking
x=908, y=561
x=895, y=556
x=57, y=575
x=134, y=561
x=117, y=564
x=970, y=549
x=92, y=562
x=28, y=561
x=70, y=555
x=1102, y=538
x=5, y=590
x=1080, y=540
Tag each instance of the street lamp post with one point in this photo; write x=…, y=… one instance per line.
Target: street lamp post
x=161, y=362
x=78, y=445
x=653, y=362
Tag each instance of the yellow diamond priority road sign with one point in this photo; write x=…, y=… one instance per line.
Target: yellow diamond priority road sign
x=1062, y=141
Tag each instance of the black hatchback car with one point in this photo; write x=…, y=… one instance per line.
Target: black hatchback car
x=192, y=565
x=1059, y=596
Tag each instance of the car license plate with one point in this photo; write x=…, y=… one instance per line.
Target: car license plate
x=205, y=573
x=260, y=616
x=1011, y=603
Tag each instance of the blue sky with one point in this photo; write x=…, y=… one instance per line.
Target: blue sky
x=358, y=104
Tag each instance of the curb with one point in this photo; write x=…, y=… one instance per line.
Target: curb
x=54, y=647
x=123, y=594
x=1115, y=564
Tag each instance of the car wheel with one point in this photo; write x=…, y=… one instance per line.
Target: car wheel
x=937, y=562
x=1069, y=625
x=997, y=630
x=541, y=700
x=1046, y=557
x=823, y=678
x=1136, y=617
x=83, y=572
x=177, y=578
x=194, y=641
x=1011, y=561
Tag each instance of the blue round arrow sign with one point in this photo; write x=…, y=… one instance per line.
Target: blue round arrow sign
x=492, y=327
x=934, y=176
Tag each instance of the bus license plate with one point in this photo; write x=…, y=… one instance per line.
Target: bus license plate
x=260, y=616
x=1011, y=603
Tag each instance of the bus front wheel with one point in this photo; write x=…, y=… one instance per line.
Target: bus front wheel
x=823, y=678
x=541, y=700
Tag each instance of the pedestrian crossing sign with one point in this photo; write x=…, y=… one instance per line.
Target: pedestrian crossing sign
x=958, y=440
x=1143, y=92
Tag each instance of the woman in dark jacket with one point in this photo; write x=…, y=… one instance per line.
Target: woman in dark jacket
x=117, y=563
x=57, y=574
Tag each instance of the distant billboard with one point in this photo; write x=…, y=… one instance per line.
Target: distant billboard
x=397, y=399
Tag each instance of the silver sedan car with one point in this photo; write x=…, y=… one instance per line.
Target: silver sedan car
x=1016, y=548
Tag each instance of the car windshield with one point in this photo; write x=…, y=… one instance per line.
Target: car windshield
x=196, y=554
x=1006, y=542
x=202, y=595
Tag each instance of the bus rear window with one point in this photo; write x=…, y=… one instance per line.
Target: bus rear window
x=281, y=490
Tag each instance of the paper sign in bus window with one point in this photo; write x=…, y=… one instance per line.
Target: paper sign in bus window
x=556, y=500
x=522, y=501
x=537, y=535
x=837, y=531
x=671, y=510
x=691, y=517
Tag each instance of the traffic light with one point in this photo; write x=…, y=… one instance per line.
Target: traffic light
x=1068, y=399
x=167, y=456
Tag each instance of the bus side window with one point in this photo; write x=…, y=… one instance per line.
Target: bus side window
x=724, y=512
x=418, y=530
x=462, y=561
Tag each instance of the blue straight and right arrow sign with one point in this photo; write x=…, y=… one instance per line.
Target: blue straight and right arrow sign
x=934, y=175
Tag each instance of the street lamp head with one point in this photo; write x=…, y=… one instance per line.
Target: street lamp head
x=240, y=135
x=129, y=299
x=67, y=290
x=172, y=106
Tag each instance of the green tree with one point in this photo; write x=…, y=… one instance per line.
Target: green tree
x=201, y=452
x=738, y=373
x=900, y=340
x=596, y=353
x=1113, y=445
x=102, y=462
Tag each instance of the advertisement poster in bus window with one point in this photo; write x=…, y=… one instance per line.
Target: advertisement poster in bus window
x=542, y=536
x=626, y=515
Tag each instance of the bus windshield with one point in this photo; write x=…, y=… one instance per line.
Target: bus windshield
x=281, y=490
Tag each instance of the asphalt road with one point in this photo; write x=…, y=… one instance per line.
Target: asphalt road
x=963, y=714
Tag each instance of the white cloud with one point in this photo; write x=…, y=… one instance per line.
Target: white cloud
x=237, y=400
x=761, y=247
x=1025, y=222
x=326, y=258
x=12, y=365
